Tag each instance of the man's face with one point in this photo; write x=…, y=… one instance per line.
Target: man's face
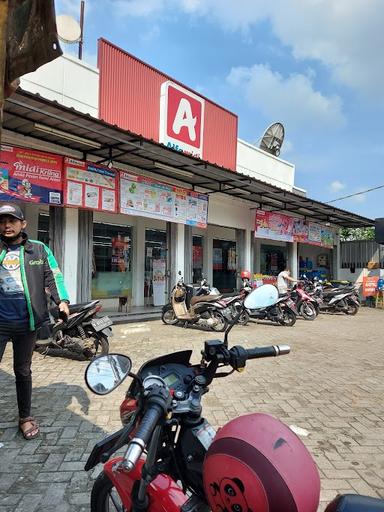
x=10, y=227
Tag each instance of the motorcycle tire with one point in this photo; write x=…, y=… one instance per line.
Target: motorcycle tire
x=104, y=496
x=102, y=348
x=222, y=322
x=352, y=308
x=168, y=316
x=243, y=318
x=289, y=318
x=307, y=311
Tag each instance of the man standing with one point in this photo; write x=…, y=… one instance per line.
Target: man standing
x=27, y=267
x=283, y=280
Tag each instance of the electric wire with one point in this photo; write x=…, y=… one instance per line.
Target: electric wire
x=355, y=194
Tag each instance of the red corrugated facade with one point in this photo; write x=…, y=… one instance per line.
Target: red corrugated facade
x=129, y=96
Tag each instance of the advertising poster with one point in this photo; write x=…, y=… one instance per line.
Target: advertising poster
x=274, y=226
x=87, y=185
x=30, y=175
x=217, y=258
x=159, y=282
x=300, y=231
x=146, y=197
x=314, y=233
x=370, y=285
x=327, y=237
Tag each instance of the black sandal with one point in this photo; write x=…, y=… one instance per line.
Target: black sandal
x=27, y=434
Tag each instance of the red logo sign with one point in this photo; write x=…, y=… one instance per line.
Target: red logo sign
x=181, y=119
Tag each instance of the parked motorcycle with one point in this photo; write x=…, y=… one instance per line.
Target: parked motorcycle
x=306, y=305
x=80, y=336
x=189, y=308
x=176, y=462
x=336, y=300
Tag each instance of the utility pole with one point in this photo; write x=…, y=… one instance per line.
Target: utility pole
x=3, y=55
x=81, y=42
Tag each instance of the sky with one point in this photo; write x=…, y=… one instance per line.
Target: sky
x=314, y=65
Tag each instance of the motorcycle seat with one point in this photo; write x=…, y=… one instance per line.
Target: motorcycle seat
x=74, y=308
x=355, y=503
x=205, y=298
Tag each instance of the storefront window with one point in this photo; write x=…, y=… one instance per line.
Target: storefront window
x=43, y=228
x=272, y=259
x=224, y=265
x=197, y=258
x=111, y=265
x=155, y=267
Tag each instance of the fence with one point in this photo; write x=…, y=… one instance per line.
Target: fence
x=357, y=254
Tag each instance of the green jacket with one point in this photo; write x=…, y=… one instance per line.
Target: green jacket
x=39, y=270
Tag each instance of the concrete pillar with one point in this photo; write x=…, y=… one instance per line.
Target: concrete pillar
x=256, y=255
x=180, y=249
x=71, y=252
x=138, y=264
x=293, y=261
x=32, y=217
x=208, y=256
x=248, y=251
x=336, y=258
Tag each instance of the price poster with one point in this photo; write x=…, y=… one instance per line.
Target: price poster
x=88, y=185
x=30, y=175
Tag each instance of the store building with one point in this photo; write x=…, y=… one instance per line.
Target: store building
x=149, y=179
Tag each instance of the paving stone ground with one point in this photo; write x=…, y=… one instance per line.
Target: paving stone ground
x=331, y=385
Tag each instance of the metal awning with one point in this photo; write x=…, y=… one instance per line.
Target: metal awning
x=31, y=115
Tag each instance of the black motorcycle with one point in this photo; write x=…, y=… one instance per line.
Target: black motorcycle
x=80, y=336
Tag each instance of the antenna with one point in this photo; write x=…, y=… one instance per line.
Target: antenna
x=273, y=138
x=68, y=29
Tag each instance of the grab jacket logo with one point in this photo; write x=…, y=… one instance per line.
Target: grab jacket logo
x=181, y=119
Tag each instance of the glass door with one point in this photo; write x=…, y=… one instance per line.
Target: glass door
x=155, y=280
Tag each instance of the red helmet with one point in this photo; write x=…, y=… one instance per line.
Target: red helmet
x=257, y=464
x=245, y=274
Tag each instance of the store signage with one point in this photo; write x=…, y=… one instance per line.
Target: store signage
x=146, y=197
x=30, y=175
x=87, y=185
x=370, y=285
x=276, y=226
x=181, y=119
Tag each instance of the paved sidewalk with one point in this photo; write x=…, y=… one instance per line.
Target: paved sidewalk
x=331, y=385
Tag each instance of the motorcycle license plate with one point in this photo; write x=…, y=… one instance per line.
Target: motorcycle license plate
x=101, y=323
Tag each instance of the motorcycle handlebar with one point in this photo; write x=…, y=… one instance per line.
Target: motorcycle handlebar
x=143, y=435
x=271, y=351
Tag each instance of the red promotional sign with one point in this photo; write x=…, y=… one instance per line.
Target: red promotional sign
x=30, y=175
x=369, y=285
x=88, y=185
x=181, y=119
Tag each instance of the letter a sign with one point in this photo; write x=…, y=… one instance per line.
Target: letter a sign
x=181, y=119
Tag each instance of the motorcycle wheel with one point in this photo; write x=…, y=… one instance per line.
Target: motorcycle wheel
x=307, y=311
x=222, y=322
x=289, y=318
x=168, y=316
x=352, y=308
x=104, y=496
x=243, y=318
x=101, y=345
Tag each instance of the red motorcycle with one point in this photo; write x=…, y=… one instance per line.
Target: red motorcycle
x=176, y=462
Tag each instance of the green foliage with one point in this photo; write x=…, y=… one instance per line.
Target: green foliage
x=348, y=234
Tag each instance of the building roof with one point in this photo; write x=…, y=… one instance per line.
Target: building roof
x=31, y=115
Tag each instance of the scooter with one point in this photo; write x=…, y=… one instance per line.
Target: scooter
x=306, y=305
x=202, y=310
x=336, y=300
x=80, y=336
x=176, y=462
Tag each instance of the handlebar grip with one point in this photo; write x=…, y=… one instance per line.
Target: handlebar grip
x=271, y=351
x=143, y=435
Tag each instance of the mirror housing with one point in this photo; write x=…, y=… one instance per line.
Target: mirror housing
x=106, y=373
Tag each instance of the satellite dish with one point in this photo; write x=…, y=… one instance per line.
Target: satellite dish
x=68, y=29
x=273, y=138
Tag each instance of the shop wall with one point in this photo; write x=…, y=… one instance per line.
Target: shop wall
x=225, y=211
x=69, y=81
x=263, y=166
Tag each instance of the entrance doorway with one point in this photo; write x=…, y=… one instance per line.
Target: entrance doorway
x=197, y=258
x=224, y=265
x=155, y=290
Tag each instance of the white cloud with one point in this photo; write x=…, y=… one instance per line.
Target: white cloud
x=346, y=36
x=292, y=100
x=336, y=186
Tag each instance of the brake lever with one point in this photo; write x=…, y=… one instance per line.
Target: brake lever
x=122, y=440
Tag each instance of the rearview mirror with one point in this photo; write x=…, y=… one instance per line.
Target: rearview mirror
x=262, y=297
x=105, y=373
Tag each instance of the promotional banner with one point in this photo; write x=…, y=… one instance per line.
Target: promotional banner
x=87, y=185
x=146, y=197
x=159, y=282
x=276, y=226
x=370, y=285
x=30, y=175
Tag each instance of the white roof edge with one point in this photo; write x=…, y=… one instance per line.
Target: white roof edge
x=265, y=152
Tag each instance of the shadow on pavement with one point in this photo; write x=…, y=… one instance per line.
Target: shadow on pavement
x=46, y=474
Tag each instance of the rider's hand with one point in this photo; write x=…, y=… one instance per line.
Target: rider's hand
x=63, y=306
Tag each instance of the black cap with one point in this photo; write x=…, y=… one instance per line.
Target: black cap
x=12, y=210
